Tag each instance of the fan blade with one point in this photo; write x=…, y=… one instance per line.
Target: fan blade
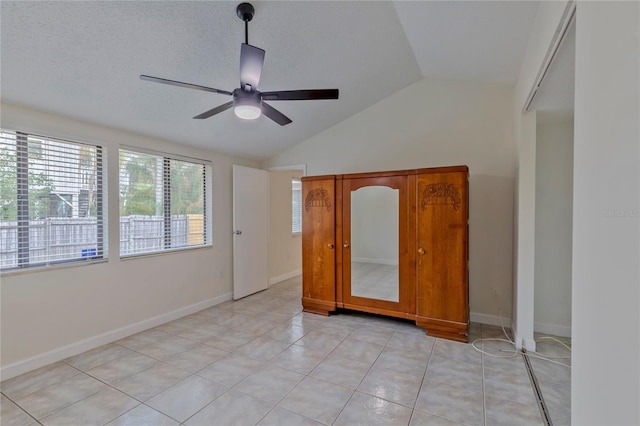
x=181, y=84
x=275, y=115
x=251, y=60
x=214, y=111
x=300, y=95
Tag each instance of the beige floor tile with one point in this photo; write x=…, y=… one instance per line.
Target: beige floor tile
x=232, y=408
x=558, y=401
x=403, y=361
x=281, y=417
x=320, y=341
x=502, y=356
x=455, y=373
x=98, y=409
x=56, y=397
x=196, y=358
x=368, y=410
x=451, y=402
x=550, y=372
x=262, y=348
x=287, y=332
x=308, y=321
x=305, y=400
x=122, y=368
x=201, y=333
x=350, y=368
x=508, y=413
x=98, y=356
x=37, y=379
x=298, y=358
x=12, y=415
x=509, y=386
x=269, y=384
x=166, y=347
x=359, y=350
x=391, y=385
x=341, y=371
x=143, y=338
x=143, y=416
x=258, y=327
x=238, y=319
x=231, y=340
x=372, y=334
x=412, y=341
x=231, y=369
x=340, y=329
x=418, y=418
x=459, y=351
x=187, y=397
x=152, y=381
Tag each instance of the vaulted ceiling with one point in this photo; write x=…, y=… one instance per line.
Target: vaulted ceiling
x=83, y=59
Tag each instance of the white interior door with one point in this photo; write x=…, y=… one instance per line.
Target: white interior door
x=250, y=230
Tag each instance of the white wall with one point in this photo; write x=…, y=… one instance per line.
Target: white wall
x=52, y=313
x=285, y=249
x=436, y=123
x=605, y=386
x=549, y=17
x=554, y=222
x=605, y=377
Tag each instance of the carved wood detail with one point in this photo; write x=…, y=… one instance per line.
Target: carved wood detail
x=317, y=198
x=440, y=194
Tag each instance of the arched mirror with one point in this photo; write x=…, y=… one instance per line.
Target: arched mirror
x=374, y=243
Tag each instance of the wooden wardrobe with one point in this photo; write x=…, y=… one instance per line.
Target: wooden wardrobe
x=391, y=243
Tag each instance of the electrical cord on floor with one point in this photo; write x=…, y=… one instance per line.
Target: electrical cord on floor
x=512, y=353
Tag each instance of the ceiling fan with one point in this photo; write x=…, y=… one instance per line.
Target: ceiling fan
x=248, y=102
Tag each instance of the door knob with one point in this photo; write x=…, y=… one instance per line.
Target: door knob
x=346, y=244
x=421, y=250
x=237, y=232
x=330, y=245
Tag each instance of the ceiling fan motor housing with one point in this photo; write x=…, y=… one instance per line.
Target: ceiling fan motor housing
x=247, y=104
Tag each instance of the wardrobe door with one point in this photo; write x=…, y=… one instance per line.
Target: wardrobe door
x=441, y=247
x=318, y=244
x=377, y=268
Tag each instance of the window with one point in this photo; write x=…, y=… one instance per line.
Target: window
x=51, y=201
x=163, y=202
x=296, y=205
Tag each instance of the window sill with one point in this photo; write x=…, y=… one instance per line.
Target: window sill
x=47, y=268
x=164, y=252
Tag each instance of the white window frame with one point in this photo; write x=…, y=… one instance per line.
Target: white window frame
x=207, y=201
x=296, y=228
x=98, y=251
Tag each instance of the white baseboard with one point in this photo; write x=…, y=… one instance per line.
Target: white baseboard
x=276, y=280
x=378, y=261
x=55, y=355
x=553, y=329
x=490, y=319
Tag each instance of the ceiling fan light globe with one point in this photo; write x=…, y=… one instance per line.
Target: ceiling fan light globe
x=247, y=112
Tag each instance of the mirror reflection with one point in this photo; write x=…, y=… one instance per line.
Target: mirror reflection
x=374, y=243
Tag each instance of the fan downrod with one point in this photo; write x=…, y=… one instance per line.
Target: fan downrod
x=245, y=11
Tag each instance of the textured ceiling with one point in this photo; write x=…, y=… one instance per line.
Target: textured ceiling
x=83, y=59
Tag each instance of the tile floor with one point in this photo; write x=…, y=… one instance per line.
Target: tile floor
x=375, y=281
x=554, y=379
x=261, y=361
